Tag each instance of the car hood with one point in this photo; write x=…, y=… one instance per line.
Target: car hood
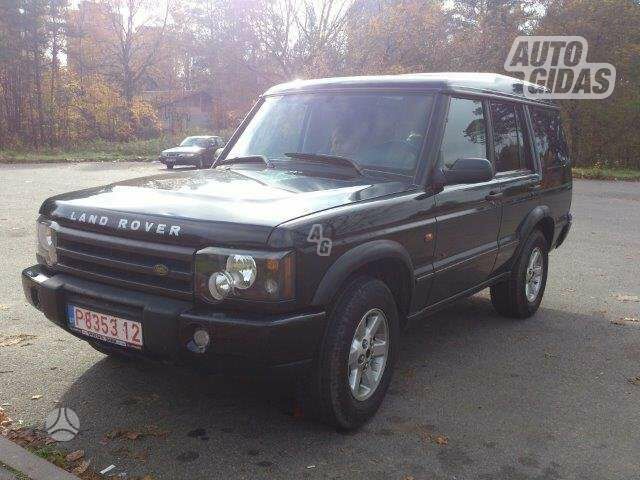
x=193, y=149
x=225, y=205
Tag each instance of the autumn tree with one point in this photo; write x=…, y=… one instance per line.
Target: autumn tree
x=69, y=74
x=398, y=37
x=603, y=132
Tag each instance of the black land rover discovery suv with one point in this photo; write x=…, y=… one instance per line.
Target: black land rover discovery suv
x=340, y=210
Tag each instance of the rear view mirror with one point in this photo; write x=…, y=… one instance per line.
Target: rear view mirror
x=469, y=170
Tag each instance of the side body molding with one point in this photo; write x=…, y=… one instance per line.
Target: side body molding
x=357, y=258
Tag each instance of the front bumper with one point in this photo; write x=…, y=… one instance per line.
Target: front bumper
x=180, y=160
x=246, y=342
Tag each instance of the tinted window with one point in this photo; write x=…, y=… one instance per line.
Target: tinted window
x=383, y=132
x=465, y=132
x=524, y=142
x=549, y=137
x=505, y=137
x=195, y=142
x=510, y=138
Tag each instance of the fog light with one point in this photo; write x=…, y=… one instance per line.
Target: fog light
x=201, y=338
x=220, y=285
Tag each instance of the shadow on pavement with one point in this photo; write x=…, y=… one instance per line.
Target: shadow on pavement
x=508, y=395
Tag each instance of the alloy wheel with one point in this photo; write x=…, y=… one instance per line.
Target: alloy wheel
x=368, y=354
x=533, y=279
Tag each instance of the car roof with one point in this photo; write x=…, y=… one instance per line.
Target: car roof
x=488, y=83
x=202, y=136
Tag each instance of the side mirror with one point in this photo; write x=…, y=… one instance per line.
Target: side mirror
x=469, y=170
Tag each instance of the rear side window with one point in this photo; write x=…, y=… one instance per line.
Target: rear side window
x=465, y=132
x=549, y=137
x=512, y=149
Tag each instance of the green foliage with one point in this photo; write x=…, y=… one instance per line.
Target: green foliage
x=96, y=150
x=603, y=173
x=52, y=455
x=603, y=133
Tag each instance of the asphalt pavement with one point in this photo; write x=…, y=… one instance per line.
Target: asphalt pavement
x=475, y=396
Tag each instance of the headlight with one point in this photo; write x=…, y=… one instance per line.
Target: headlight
x=47, y=243
x=222, y=273
x=187, y=155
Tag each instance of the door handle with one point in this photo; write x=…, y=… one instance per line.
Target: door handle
x=493, y=196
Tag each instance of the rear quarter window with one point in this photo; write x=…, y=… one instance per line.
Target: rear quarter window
x=549, y=138
x=465, y=134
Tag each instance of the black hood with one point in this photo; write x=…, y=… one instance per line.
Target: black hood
x=223, y=205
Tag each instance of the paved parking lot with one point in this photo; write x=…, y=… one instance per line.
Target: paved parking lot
x=548, y=398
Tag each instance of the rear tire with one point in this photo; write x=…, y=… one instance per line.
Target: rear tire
x=520, y=296
x=334, y=393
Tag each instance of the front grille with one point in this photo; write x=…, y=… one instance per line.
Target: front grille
x=124, y=262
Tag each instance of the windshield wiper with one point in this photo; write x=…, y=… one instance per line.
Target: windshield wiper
x=322, y=159
x=247, y=159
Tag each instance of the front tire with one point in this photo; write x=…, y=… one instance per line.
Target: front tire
x=356, y=362
x=520, y=296
x=169, y=166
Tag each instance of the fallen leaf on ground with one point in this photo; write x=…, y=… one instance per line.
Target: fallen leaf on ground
x=152, y=397
x=5, y=421
x=151, y=431
x=635, y=381
x=29, y=437
x=143, y=455
x=75, y=456
x=80, y=469
x=440, y=439
x=4, y=307
x=10, y=340
x=36, y=397
x=626, y=321
x=627, y=298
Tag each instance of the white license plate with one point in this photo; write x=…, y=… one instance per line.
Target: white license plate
x=107, y=328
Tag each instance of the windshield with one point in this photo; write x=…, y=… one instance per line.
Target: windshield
x=382, y=132
x=195, y=142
